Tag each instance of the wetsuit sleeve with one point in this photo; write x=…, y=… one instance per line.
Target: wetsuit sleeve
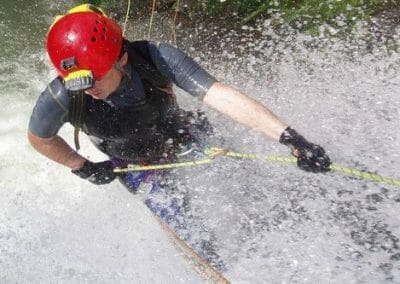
x=50, y=111
x=181, y=69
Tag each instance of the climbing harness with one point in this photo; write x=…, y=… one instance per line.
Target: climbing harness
x=211, y=153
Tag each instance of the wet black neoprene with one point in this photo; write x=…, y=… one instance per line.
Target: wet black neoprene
x=97, y=173
x=310, y=157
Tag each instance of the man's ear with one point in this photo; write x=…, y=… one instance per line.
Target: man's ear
x=124, y=59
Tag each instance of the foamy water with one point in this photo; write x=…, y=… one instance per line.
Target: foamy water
x=272, y=223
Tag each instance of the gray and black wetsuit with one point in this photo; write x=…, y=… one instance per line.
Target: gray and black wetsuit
x=140, y=120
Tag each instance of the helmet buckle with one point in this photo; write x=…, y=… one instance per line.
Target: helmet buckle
x=68, y=63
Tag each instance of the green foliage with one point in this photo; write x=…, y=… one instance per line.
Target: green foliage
x=96, y=2
x=310, y=13
x=108, y=5
x=304, y=14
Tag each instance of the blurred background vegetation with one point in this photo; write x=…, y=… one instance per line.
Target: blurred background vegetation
x=305, y=15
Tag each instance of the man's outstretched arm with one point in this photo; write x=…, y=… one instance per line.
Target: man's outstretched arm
x=244, y=109
x=247, y=111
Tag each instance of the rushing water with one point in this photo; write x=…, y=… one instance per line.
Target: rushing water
x=271, y=223
x=55, y=228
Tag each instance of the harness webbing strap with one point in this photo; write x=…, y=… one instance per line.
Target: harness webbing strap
x=77, y=114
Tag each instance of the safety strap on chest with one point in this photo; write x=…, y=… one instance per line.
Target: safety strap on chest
x=147, y=72
x=77, y=114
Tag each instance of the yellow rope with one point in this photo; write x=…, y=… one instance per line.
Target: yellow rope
x=153, y=8
x=174, y=23
x=334, y=167
x=365, y=175
x=213, y=152
x=126, y=17
x=135, y=168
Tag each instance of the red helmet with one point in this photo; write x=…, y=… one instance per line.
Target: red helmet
x=83, y=45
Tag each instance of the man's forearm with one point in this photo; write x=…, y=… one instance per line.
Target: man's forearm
x=57, y=149
x=244, y=110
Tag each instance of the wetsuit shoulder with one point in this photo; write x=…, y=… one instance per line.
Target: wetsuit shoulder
x=51, y=110
x=177, y=66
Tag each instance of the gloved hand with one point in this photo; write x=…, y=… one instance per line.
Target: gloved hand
x=310, y=157
x=97, y=173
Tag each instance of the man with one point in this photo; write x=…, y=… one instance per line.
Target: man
x=119, y=93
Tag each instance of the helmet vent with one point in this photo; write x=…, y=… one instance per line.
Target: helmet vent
x=78, y=39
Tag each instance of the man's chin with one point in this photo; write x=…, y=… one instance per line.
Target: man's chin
x=98, y=96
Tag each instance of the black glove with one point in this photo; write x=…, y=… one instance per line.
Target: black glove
x=97, y=173
x=310, y=157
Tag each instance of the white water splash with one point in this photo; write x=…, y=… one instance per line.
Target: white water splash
x=272, y=222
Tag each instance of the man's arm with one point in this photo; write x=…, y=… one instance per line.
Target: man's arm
x=48, y=116
x=244, y=110
x=56, y=149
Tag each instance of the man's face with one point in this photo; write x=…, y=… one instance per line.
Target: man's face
x=106, y=85
x=109, y=82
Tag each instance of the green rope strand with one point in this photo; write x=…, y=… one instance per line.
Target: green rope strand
x=365, y=175
x=153, y=8
x=126, y=17
x=213, y=152
x=136, y=168
x=334, y=167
